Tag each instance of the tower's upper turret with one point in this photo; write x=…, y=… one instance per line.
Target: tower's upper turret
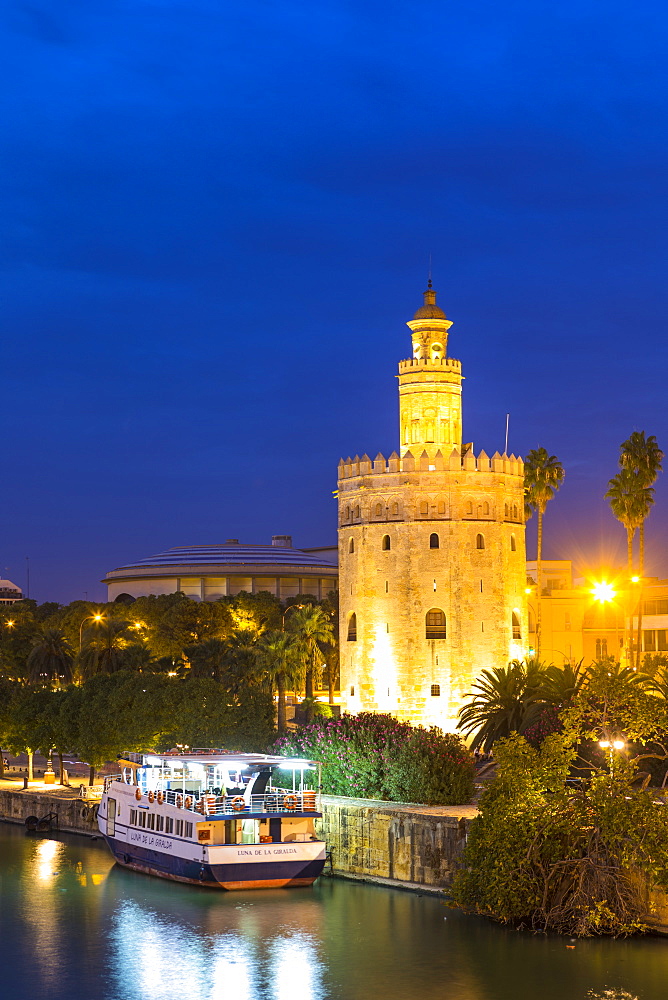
x=429, y=327
x=430, y=385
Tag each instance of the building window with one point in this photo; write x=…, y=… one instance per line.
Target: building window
x=513, y=544
x=469, y=507
x=351, y=545
x=352, y=690
x=387, y=586
x=517, y=631
x=347, y=514
x=514, y=512
x=352, y=628
x=385, y=544
x=436, y=690
x=434, y=542
x=379, y=510
x=601, y=648
x=485, y=509
x=395, y=510
x=480, y=541
x=424, y=509
x=435, y=624
x=505, y=510
x=357, y=512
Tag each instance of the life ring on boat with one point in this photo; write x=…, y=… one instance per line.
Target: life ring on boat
x=161, y=798
x=151, y=797
x=238, y=803
x=188, y=802
x=138, y=794
x=179, y=801
x=290, y=801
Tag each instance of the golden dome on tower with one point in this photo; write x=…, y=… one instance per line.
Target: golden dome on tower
x=429, y=310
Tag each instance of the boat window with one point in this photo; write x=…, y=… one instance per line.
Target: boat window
x=150, y=821
x=250, y=831
x=169, y=824
x=189, y=830
x=133, y=817
x=142, y=818
x=159, y=823
x=179, y=828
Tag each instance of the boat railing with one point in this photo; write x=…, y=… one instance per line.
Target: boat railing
x=272, y=800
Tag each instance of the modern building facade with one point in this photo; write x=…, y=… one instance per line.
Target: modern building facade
x=207, y=572
x=9, y=592
x=432, y=577
x=582, y=621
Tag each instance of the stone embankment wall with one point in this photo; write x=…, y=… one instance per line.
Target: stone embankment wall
x=412, y=844
x=73, y=814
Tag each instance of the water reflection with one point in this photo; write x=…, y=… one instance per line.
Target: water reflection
x=76, y=926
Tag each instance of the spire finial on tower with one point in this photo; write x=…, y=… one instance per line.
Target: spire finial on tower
x=429, y=281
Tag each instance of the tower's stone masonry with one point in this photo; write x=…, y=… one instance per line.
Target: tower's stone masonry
x=431, y=551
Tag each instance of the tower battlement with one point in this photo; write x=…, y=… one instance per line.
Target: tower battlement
x=429, y=363
x=456, y=461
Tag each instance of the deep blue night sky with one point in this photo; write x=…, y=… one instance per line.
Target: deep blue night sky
x=218, y=217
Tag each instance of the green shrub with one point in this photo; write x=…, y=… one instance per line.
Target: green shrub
x=375, y=756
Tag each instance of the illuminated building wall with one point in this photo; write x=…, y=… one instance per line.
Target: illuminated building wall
x=431, y=550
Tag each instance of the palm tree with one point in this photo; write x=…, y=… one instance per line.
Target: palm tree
x=543, y=475
x=629, y=503
x=642, y=456
x=504, y=700
x=311, y=628
x=277, y=655
x=207, y=657
x=103, y=650
x=50, y=660
x=562, y=684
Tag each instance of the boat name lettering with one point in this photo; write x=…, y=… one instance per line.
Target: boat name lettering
x=146, y=838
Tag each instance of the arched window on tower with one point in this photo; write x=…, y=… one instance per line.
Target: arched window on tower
x=351, y=545
x=435, y=624
x=424, y=509
x=469, y=507
x=357, y=512
x=395, y=510
x=485, y=509
x=434, y=542
x=514, y=512
x=480, y=541
x=347, y=514
x=513, y=544
x=379, y=510
x=352, y=628
x=385, y=544
x=517, y=631
x=436, y=690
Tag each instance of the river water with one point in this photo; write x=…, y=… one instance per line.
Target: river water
x=73, y=926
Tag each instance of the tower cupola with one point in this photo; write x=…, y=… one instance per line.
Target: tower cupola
x=430, y=385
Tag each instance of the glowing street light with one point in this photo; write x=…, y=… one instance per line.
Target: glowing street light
x=91, y=618
x=611, y=746
x=603, y=592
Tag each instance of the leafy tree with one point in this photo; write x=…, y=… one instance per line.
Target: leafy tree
x=186, y=623
x=254, y=612
x=544, y=856
x=543, y=475
x=112, y=713
x=202, y=714
x=503, y=700
x=51, y=658
x=18, y=633
x=207, y=658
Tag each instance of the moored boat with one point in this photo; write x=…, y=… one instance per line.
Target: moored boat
x=213, y=819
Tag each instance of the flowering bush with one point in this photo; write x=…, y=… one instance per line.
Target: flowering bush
x=375, y=756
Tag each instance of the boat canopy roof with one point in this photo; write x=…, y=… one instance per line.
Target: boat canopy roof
x=241, y=761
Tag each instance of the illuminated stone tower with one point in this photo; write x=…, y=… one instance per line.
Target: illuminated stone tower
x=431, y=550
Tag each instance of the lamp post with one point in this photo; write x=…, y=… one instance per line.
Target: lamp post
x=611, y=746
x=95, y=618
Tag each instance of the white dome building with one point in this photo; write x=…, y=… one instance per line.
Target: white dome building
x=207, y=572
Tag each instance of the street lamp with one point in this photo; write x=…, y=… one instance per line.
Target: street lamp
x=292, y=607
x=611, y=746
x=94, y=618
x=605, y=593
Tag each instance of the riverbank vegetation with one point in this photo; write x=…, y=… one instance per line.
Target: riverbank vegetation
x=375, y=756
x=161, y=671
x=571, y=834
